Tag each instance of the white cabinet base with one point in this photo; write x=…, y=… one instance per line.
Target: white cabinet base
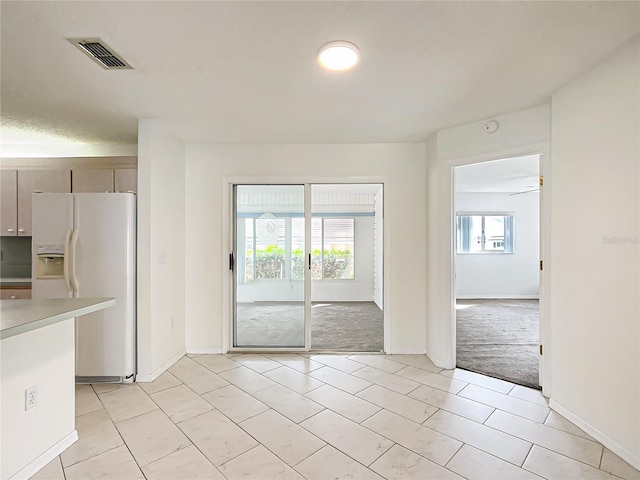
x=44, y=358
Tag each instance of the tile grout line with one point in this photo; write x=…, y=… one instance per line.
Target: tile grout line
x=539, y=424
x=117, y=430
x=176, y=423
x=506, y=411
x=573, y=459
x=478, y=448
x=168, y=417
x=601, y=457
x=274, y=453
x=453, y=456
x=547, y=448
x=527, y=455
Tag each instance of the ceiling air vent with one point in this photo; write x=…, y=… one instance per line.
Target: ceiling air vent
x=101, y=53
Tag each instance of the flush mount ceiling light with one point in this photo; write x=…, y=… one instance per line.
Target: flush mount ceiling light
x=338, y=56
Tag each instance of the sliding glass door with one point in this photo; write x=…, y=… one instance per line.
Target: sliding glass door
x=308, y=270
x=270, y=266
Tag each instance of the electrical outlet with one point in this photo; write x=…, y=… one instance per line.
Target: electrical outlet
x=31, y=397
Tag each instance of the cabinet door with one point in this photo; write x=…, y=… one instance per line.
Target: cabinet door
x=9, y=207
x=126, y=180
x=15, y=293
x=94, y=180
x=30, y=181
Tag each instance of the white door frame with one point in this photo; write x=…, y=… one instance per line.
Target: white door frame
x=442, y=346
x=228, y=240
x=540, y=254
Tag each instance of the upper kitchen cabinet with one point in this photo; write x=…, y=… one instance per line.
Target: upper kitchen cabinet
x=9, y=206
x=32, y=181
x=92, y=180
x=18, y=187
x=126, y=180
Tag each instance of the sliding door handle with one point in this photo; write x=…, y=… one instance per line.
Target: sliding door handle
x=309, y=261
x=231, y=262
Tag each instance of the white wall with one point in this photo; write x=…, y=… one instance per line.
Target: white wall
x=520, y=133
x=161, y=249
x=513, y=275
x=401, y=167
x=595, y=256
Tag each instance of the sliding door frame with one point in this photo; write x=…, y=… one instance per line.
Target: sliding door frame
x=307, y=270
x=229, y=245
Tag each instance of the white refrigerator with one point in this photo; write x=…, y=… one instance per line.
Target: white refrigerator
x=84, y=245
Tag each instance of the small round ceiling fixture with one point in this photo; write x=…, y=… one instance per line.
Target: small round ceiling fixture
x=491, y=126
x=339, y=55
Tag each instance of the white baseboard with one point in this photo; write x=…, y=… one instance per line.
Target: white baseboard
x=204, y=351
x=150, y=377
x=498, y=297
x=405, y=351
x=46, y=457
x=627, y=455
x=438, y=362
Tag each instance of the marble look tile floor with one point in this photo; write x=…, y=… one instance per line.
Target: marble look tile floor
x=317, y=417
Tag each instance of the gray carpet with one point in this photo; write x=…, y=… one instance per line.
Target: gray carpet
x=347, y=326
x=499, y=338
x=270, y=324
x=340, y=326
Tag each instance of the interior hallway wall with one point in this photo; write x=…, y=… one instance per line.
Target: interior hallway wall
x=161, y=249
x=595, y=260
x=400, y=166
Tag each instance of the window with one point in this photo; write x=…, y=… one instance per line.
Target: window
x=264, y=248
x=332, y=244
x=489, y=233
x=273, y=245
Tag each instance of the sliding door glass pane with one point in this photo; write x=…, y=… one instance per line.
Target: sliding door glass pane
x=269, y=295
x=346, y=291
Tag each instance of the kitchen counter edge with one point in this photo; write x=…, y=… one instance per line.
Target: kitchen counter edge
x=20, y=316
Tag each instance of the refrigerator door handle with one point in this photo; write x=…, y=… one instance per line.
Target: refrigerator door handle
x=67, y=261
x=74, y=278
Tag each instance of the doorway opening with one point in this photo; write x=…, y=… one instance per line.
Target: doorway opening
x=308, y=269
x=497, y=277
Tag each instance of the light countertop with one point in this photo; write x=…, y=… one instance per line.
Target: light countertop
x=15, y=281
x=19, y=316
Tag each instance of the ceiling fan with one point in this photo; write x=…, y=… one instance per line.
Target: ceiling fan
x=533, y=188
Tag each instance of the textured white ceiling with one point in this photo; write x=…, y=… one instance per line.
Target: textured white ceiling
x=246, y=72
